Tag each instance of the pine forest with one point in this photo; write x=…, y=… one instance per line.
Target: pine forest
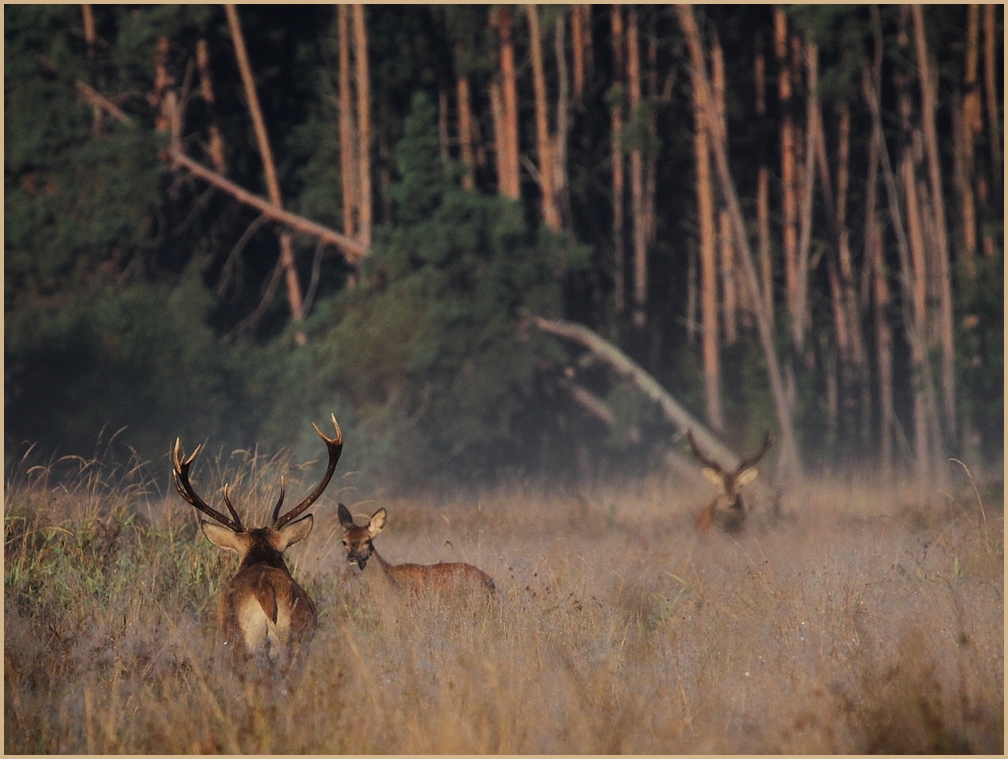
x=494, y=239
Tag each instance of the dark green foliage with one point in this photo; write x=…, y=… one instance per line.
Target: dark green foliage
x=430, y=349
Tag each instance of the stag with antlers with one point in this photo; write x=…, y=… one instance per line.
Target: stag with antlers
x=727, y=510
x=262, y=611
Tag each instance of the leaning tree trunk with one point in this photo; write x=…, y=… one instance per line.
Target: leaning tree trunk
x=789, y=460
x=269, y=167
x=763, y=184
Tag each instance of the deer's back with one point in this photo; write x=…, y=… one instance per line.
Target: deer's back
x=263, y=608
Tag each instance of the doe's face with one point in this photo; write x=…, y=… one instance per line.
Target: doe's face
x=357, y=539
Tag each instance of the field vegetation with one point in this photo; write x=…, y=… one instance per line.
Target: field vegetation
x=860, y=618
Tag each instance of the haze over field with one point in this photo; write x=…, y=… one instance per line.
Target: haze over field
x=860, y=619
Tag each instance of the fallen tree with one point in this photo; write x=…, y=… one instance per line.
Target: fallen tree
x=629, y=370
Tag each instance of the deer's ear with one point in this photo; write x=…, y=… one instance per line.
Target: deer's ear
x=345, y=517
x=746, y=476
x=712, y=475
x=377, y=522
x=295, y=532
x=224, y=537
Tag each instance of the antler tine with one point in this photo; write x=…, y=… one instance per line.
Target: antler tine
x=748, y=461
x=703, y=458
x=184, y=487
x=335, y=446
x=279, y=503
x=230, y=508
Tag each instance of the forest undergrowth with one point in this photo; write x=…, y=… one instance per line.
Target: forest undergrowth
x=860, y=618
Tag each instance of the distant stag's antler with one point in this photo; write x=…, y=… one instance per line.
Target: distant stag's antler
x=745, y=463
x=748, y=461
x=185, y=489
x=335, y=446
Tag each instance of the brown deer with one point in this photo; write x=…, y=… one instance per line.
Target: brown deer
x=414, y=578
x=262, y=611
x=727, y=510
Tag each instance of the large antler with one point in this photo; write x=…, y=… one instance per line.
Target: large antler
x=335, y=446
x=751, y=460
x=701, y=457
x=185, y=489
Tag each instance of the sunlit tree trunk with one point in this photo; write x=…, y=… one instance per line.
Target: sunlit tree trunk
x=708, y=257
x=348, y=150
x=618, y=163
x=640, y=270
x=269, y=167
x=789, y=180
x=465, y=127
x=943, y=270
x=790, y=460
x=729, y=301
x=443, y=137
x=993, y=102
x=763, y=185
x=87, y=12
x=580, y=37
x=969, y=125
x=544, y=146
x=366, y=218
x=508, y=176
x=876, y=264
x=563, y=106
x=215, y=146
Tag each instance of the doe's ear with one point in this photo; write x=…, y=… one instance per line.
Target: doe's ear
x=377, y=522
x=345, y=517
x=223, y=537
x=295, y=532
x=746, y=476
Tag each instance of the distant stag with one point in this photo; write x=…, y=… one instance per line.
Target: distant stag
x=262, y=611
x=727, y=510
x=415, y=578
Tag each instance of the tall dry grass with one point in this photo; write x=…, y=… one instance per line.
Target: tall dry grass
x=862, y=619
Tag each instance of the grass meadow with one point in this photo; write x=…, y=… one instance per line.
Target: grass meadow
x=862, y=618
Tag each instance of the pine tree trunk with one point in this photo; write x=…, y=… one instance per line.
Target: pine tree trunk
x=790, y=460
x=789, y=180
x=510, y=178
x=348, y=152
x=465, y=127
x=579, y=35
x=763, y=185
x=708, y=258
x=640, y=271
x=993, y=102
x=544, y=146
x=366, y=219
x=559, y=144
x=969, y=125
x=90, y=37
x=943, y=269
x=269, y=167
x=724, y=233
x=618, y=178
x=215, y=148
x=443, y=137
